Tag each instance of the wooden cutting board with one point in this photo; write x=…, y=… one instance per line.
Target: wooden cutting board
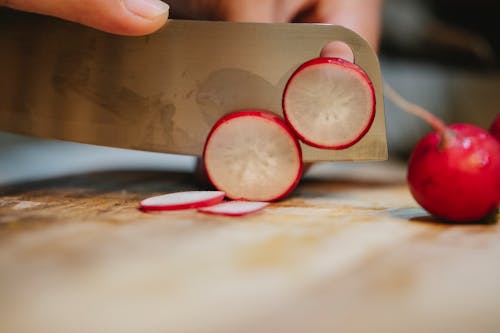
x=350, y=251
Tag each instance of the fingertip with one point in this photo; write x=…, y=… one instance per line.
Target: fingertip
x=137, y=17
x=338, y=49
x=135, y=26
x=148, y=9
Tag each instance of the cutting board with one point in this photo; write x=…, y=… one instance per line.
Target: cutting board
x=349, y=251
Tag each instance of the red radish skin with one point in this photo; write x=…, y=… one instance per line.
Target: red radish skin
x=495, y=128
x=182, y=200
x=459, y=179
x=453, y=172
x=329, y=103
x=235, y=208
x=252, y=155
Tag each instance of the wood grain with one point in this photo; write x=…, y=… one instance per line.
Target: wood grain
x=350, y=251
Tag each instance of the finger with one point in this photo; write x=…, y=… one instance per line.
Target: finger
x=247, y=11
x=361, y=16
x=288, y=10
x=126, y=17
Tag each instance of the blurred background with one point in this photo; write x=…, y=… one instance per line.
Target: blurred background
x=441, y=54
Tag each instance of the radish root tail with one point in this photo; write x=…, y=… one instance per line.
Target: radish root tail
x=418, y=111
x=413, y=109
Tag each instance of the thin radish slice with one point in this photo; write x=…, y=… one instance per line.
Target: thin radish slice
x=235, y=208
x=329, y=103
x=182, y=200
x=253, y=155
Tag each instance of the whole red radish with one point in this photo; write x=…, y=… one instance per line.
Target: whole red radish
x=253, y=155
x=453, y=172
x=495, y=128
x=456, y=175
x=329, y=103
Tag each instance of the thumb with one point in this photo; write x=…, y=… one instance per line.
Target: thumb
x=125, y=17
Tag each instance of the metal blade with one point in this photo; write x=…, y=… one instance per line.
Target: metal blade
x=161, y=92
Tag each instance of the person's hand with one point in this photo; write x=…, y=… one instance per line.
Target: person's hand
x=362, y=16
x=125, y=17
x=140, y=17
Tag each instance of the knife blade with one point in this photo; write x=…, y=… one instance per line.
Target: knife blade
x=161, y=92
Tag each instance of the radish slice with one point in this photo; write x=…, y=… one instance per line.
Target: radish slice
x=235, y=208
x=253, y=155
x=182, y=200
x=329, y=103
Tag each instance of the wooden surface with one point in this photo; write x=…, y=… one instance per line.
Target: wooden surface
x=350, y=251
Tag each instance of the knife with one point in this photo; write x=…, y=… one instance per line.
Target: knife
x=162, y=92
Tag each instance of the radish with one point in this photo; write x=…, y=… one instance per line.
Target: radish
x=329, y=103
x=495, y=128
x=253, y=155
x=235, y=208
x=182, y=200
x=453, y=172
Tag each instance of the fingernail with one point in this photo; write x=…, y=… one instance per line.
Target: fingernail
x=147, y=8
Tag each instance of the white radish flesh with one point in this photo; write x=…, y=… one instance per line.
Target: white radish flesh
x=235, y=208
x=253, y=155
x=329, y=103
x=182, y=200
